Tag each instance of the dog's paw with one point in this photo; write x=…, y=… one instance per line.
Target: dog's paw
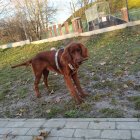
x=83, y=95
x=38, y=95
x=80, y=101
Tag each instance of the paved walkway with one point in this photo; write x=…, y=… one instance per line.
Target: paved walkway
x=71, y=129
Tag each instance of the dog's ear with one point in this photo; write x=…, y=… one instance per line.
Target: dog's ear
x=84, y=51
x=66, y=57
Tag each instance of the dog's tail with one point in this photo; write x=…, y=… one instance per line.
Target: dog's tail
x=27, y=63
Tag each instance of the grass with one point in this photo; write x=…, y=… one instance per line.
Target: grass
x=3, y=94
x=68, y=110
x=137, y=87
x=22, y=93
x=98, y=96
x=111, y=113
x=110, y=53
x=107, y=84
x=136, y=100
x=54, y=111
x=96, y=78
x=137, y=115
x=71, y=114
x=113, y=101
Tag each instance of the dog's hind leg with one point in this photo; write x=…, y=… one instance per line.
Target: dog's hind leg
x=45, y=79
x=38, y=73
x=36, y=83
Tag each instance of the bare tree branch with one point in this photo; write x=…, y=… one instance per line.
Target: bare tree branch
x=26, y=19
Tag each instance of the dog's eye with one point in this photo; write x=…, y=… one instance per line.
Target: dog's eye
x=78, y=50
x=72, y=51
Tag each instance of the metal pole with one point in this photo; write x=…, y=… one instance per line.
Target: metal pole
x=127, y=10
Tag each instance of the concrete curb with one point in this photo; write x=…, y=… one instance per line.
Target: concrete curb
x=71, y=129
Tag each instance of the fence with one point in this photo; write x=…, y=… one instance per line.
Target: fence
x=120, y=16
x=108, y=29
x=15, y=44
x=71, y=35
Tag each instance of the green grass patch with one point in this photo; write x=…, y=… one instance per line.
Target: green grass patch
x=114, y=101
x=136, y=100
x=71, y=114
x=7, y=114
x=137, y=104
x=137, y=87
x=3, y=93
x=97, y=97
x=96, y=78
x=22, y=92
x=54, y=111
x=137, y=115
x=86, y=107
x=107, y=84
x=111, y=113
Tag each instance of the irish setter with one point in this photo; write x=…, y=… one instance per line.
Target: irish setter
x=64, y=61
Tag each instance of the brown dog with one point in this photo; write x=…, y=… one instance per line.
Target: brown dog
x=64, y=61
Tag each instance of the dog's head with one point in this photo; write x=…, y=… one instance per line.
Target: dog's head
x=75, y=53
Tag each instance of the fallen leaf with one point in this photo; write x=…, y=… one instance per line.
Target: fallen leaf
x=44, y=133
x=126, y=72
x=125, y=86
x=108, y=79
x=102, y=63
x=22, y=110
x=126, y=68
x=38, y=138
x=92, y=73
x=52, y=91
x=48, y=111
x=118, y=89
x=19, y=114
x=57, y=100
x=132, y=62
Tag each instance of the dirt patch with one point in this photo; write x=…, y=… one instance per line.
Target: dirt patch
x=106, y=100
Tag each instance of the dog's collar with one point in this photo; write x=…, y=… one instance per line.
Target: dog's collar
x=57, y=65
x=56, y=60
x=71, y=67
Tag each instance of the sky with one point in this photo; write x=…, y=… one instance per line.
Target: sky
x=64, y=11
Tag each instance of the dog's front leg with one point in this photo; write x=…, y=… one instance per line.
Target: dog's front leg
x=78, y=86
x=72, y=89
